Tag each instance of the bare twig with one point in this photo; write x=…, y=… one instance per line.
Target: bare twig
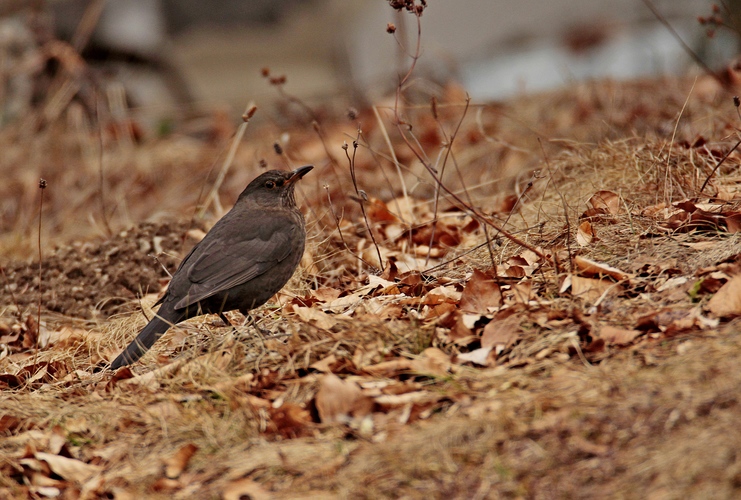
x=362, y=198
x=686, y=47
x=42, y=187
x=722, y=160
x=565, y=213
x=448, y=152
x=400, y=124
x=736, y=103
x=337, y=219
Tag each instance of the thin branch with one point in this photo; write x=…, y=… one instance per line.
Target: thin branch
x=337, y=219
x=686, y=47
x=725, y=157
x=42, y=187
x=361, y=198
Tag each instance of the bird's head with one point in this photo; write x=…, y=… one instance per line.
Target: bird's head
x=274, y=187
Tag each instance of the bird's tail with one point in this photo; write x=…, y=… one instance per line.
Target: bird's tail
x=145, y=340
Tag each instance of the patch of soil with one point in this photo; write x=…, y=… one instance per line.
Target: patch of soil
x=98, y=279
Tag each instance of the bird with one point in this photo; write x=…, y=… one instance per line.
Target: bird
x=246, y=258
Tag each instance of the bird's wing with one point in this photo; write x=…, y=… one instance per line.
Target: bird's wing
x=219, y=264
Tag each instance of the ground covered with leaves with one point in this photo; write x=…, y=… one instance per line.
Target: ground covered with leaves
x=530, y=299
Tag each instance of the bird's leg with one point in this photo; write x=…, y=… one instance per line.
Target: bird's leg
x=225, y=319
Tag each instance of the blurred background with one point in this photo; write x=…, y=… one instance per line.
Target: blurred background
x=128, y=107
x=211, y=53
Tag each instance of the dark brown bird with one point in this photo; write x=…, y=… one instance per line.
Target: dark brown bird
x=245, y=259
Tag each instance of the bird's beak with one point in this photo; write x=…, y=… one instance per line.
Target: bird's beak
x=299, y=173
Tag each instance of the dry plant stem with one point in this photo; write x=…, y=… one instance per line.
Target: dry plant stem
x=87, y=25
x=667, y=184
x=339, y=228
x=462, y=204
x=362, y=198
x=491, y=253
x=521, y=196
x=212, y=195
x=101, y=177
x=733, y=16
x=685, y=47
x=722, y=160
x=580, y=353
x=387, y=139
x=448, y=152
x=565, y=213
x=42, y=187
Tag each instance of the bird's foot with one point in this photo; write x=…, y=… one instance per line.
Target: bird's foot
x=249, y=320
x=226, y=320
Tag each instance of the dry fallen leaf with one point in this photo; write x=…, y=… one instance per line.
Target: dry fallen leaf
x=594, y=268
x=606, y=202
x=432, y=361
x=733, y=222
x=585, y=235
x=481, y=293
x=245, y=488
x=175, y=465
x=69, y=468
x=326, y=294
x=590, y=289
x=290, y=421
x=522, y=292
x=477, y=356
x=318, y=318
x=618, y=336
x=727, y=301
x=501, y=334
x=340, y=400
x=389, y=368
x=324, y=365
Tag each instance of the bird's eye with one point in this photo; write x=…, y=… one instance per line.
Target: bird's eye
x=270, y=184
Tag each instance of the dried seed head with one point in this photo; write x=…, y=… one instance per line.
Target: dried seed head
x=277, y=147
x=736, y=101
x=278, y=80
x=390, y=28
x=352, y=113
x=42, y=183
x=250, y=113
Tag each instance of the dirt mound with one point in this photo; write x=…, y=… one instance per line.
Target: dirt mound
x=97, y=279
